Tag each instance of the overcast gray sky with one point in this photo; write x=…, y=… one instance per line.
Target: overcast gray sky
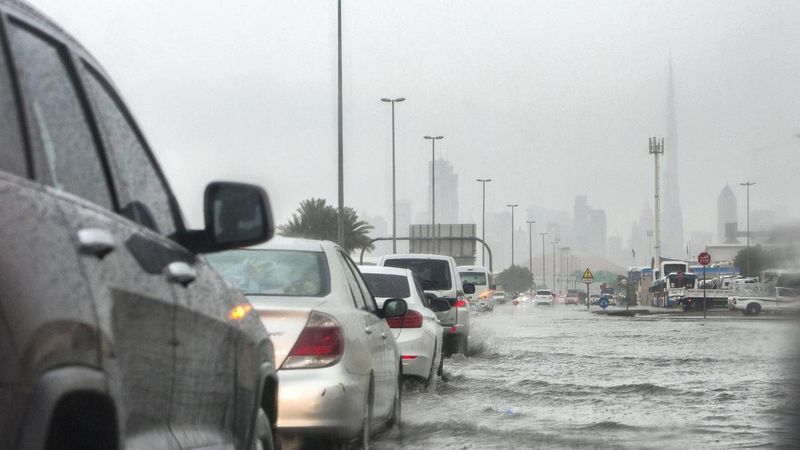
x=548, y=98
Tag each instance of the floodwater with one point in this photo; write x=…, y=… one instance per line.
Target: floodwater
x=561, y=377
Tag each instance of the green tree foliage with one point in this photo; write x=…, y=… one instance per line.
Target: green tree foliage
x=515, y=279
x=759, y=260
x=315, y=219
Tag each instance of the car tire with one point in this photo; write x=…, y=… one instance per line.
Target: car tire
x=264, y=439
x=396, y=419
x=440, y=370
x=462, y=345
x=753, y=309
x=366, y=423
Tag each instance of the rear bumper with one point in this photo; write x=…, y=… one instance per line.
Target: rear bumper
x=327, y=402
x=421, y=346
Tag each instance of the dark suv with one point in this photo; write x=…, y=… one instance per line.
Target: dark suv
x=113, y=332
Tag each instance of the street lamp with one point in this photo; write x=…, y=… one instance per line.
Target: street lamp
x=530, y=248
x=433, y=140
x=561, y=267
x=483, y=219
x=394, y=179
x=555, y=242
x=544, y=275
x=747, y=185
x=512, y=233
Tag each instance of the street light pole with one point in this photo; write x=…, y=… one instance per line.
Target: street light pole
x=747, y=186
x=555, y=241
x=394, y=178
x=561, y=267
x=530, y=249
x=340, y=219
x=512, y=232
x=433, y=140
x=483, y=218
x=544, y=275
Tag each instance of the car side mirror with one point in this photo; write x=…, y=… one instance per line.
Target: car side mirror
x=236, y=215
x=439, y=304
x=493, y=287
x=469, y=288
x=394, y=307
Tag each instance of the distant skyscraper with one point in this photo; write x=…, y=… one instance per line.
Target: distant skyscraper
x=446, y=192
x=581, y=222
x=726, y=212
x=597, y=233
x=672, y=242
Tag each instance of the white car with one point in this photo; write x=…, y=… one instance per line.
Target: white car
x=418, y=332
x=339, y=368
x=784, y=300
x=438, y=275
x=543, y=297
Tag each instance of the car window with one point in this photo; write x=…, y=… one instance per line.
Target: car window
x=421, y=294
x=388, y=285
x=358, y=296
x=476, y=278
x=12, y=155
x=271, y=272
x=369, y=300
x=65, y=153
x=433, y=274
x=142, y=194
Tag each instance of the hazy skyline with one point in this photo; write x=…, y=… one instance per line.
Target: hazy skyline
x=549, y=99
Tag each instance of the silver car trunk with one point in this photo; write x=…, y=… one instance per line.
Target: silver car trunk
x=284, y=318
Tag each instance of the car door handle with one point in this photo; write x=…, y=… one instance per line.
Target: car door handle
x=367, y=329
x=96, y=241
x=383, y=335
x=180, y=272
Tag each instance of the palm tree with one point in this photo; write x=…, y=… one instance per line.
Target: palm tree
x=315, y=219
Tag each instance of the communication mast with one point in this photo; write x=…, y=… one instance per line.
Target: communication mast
x=657, y=148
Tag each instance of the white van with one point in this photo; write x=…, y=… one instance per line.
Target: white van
x=483, y=297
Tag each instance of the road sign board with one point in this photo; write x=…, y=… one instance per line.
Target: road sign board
x=588, y=278
x=603, y=302
x=704, y=258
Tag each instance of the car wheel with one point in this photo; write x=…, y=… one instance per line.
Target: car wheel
x=430, y=383
x=396, y=419
x=753, y=309
x=264, y=440
x=440, y=370
x=463, y=345
x=366, y=423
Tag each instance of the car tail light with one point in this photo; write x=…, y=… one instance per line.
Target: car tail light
x=411, y=319
x=409, y=357
x=320, y=344
x=461, y=302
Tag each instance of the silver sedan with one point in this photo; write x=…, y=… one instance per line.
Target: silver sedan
x=339, y=367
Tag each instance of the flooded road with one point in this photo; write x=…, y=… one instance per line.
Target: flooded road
x=555, y=377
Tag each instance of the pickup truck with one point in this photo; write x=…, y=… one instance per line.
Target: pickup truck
x=784, y=300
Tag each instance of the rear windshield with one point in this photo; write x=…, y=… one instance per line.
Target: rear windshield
x=274, y=272
x=476, y=278
x=388, y=286
x=544, y=293
x=433, y=274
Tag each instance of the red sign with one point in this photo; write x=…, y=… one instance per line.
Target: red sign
x=704, y=258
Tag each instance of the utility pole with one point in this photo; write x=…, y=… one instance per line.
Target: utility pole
x=483, y=219
x=394, y=178
x=433, y=140
x=656, y=148
x=530, y=248
x=544, y=276
x=340, y=219
x=747, y=186
x=512, y=232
